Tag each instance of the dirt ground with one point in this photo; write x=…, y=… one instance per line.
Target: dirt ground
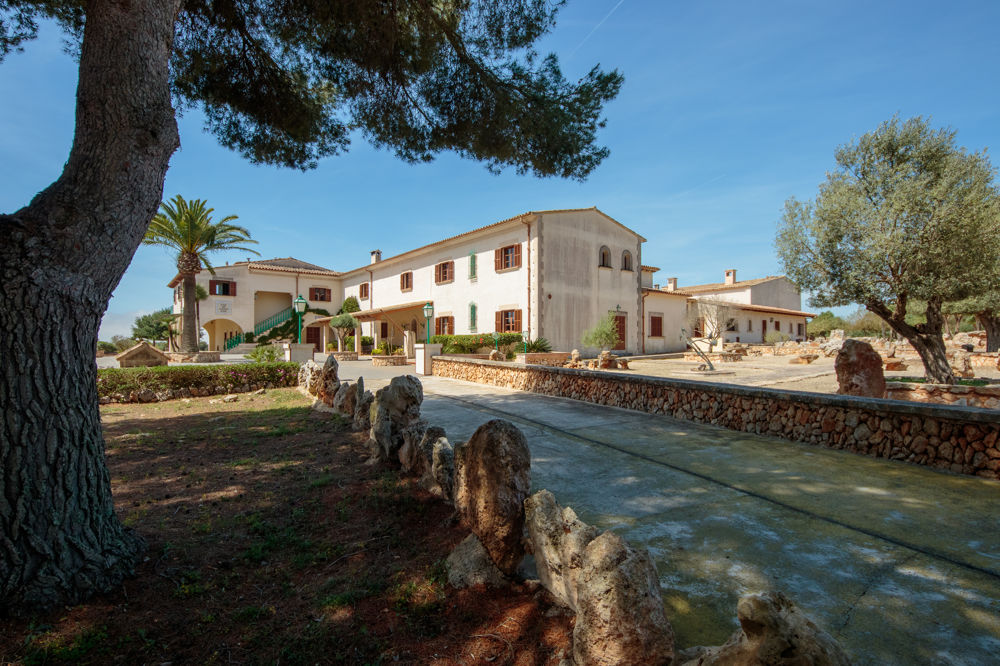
x=271, y=542
x=769, y=371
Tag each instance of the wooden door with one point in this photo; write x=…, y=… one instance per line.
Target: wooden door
x=620, y=323
x=313, y=336
x=763, y=330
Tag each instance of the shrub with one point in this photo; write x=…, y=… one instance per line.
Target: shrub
x=773, y=337
x=366, y=341
x=115, y=381
x=264, y=354
x=384, y=348
x=604, y=335
x=469, y=344
x=248, y=336
x=539, y=346
x=122, y=343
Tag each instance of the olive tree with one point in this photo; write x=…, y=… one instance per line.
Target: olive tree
x=284, y=83
x=985, y=307
x=343, y=325
x=905, y=216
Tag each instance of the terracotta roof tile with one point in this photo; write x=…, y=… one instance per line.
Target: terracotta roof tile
x=722, y=286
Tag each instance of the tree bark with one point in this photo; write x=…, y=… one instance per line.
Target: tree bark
x=990, y=321
x=61, y=258
x=926, y=338
x=189, y=323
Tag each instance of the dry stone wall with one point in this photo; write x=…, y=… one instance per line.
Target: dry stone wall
x=960, y=439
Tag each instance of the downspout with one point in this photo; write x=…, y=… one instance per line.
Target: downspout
x=371, y=301
x=527, y=258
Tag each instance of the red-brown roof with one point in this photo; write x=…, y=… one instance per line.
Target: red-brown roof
x=722, y=286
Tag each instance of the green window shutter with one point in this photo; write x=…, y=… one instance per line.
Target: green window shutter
x=472, y=266
x=472, y=316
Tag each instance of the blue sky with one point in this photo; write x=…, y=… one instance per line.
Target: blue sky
x=728, y=109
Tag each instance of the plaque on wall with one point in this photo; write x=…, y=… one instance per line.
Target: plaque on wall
x=223, y=307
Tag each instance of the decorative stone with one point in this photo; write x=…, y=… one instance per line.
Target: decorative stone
x=443, y=467
x=620, y=617
x=961, y=365
x=395, y=407
x=803, y=359
x=469, y=564
x=310, y=373
x=231, y=398
x=142, y=355
x=772, y=631
x=558, y=539
x=329, y=383
x=345, y=400
x=492, y=478
x=575, y=356
x=495, y=355
x=362, y=406
x=895, y=365
x=859, y=370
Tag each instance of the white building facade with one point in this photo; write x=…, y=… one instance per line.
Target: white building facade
x=546, y=274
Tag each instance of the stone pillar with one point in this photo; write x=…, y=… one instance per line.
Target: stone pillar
x=297, y=353
x=408, y=342
x=424, y=353
x=357, y=338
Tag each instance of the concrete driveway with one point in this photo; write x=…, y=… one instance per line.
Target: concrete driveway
x=900, y=563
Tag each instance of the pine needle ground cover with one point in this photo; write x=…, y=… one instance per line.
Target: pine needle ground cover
x=270, y=541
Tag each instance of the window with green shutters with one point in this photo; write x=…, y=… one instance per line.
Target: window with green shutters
x=472, y=317
x=472, y=267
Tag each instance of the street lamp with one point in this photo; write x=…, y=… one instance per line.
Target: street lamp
x=428, y=313
x=524, y=336
x=496, y=339
x=300, y=306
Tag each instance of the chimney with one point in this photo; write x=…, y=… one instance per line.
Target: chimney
x=671, y=284
x=376, y=256
x=731, y=276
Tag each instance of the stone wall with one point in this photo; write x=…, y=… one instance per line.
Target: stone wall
x=556, y=359
x=983, y=397
x=960, y=439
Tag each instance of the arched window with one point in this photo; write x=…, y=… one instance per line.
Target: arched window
x=605, y=257
x=626, y=260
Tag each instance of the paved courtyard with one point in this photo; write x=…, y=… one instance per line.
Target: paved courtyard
x=900, y=563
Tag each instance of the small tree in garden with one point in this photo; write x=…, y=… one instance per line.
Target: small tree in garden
x=343, y=325
x=712, y=317
x=604, y=335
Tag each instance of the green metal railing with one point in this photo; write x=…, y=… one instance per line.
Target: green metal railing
x=234, y=341
x=272, y=321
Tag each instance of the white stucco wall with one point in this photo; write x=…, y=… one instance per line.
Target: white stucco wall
x=490, y=290
x=574, y=291
x=779, y=293
x=673, y=309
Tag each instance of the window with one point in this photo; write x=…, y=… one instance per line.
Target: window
x=473, y=311
x=506, y=258
x=604, y=260
x=444, y=326
x=221, y=288
x=801, y=332
x=384, y=330
x=732, y=326
x=656, y=326
x=789, y=328
x=626, y=260
x=406, y=281
x=363, y=290
x=472, y=266
x=749, y=326
x=509, y=321
x=319, y=294
x=444, y=272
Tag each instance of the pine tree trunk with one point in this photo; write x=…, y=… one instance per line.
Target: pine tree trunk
x=189, y=323
x=62, y=256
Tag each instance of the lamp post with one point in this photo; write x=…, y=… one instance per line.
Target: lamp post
x=300, y=306
x=428, y=313
x=496, y=338
x=524, y=336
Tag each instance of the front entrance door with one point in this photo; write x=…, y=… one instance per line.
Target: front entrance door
x=763, y=330
x=312, y=336
x=620, y=324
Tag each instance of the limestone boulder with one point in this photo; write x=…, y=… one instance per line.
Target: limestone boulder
x=394, y=409
x=558, y=539
x=329, y=382
x=859, y=370
x=409, y=455
x=575, y=356
x=772, y=631
x=895, y=364
x=495, y=355
x=310, y=373
x=492, y=478
x=961, y=365
x=362, y=406
x=345, y=400
x=469, y=564
x=804, y=359
x=619, y=618
x=443, y=468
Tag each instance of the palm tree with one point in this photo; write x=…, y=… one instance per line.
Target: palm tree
x=187, y=226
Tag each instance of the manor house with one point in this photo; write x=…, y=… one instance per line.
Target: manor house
x=547, y=274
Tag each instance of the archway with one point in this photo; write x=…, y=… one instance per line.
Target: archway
x=219, y=331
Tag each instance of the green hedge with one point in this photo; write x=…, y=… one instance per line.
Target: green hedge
x=123, y=381
x=468, y=344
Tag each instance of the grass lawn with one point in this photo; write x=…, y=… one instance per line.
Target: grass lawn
x=270, y=541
